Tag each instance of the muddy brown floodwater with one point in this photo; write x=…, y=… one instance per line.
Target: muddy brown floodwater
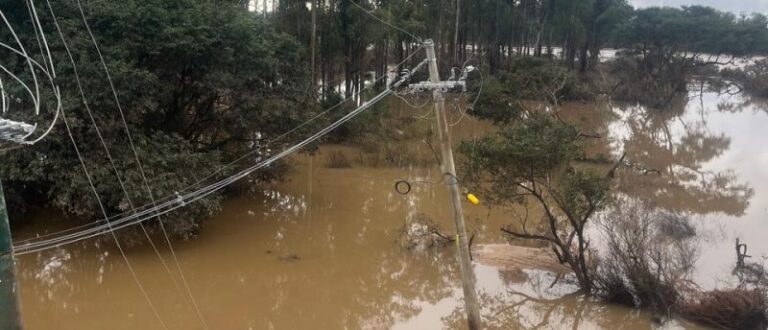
x=321, y=251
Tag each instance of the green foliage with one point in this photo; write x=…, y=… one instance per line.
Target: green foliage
x=535, y=149
x=200, y=82
x=581, y=190
x=531, y=149
x=530, y=161
x=529, y=78
x=693, y=29
x=498, y=102
x=665, y=45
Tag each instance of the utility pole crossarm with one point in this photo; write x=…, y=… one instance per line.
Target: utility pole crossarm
x=443, y=86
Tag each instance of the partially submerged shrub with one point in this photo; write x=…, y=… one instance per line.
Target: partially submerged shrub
x=543, y=79
x=527, y=78
x=751, y=274
x=531, y=161
x=641, y=265
x=498, y=102
x=614, y=289
x=743, y=309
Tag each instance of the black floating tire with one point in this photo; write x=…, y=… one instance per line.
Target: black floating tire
x=403, y=187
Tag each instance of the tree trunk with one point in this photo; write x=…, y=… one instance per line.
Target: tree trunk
x=312, y=45
x=583, y=58
x=456, y=33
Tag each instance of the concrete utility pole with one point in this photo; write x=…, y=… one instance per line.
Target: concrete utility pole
x=9, y=304
x=449, y=171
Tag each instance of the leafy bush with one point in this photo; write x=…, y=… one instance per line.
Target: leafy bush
x=530, y=161
x=527, y=78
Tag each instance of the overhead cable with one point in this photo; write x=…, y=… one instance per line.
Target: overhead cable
x=145, y=209
x=183, y=200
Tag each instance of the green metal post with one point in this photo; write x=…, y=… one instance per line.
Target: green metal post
x=9, y=302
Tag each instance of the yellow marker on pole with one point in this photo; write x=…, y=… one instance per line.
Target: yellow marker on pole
x=473, y=199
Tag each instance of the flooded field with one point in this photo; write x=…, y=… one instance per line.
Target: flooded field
x=322, y=250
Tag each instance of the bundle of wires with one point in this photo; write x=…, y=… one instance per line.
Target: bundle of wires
x=172, y=203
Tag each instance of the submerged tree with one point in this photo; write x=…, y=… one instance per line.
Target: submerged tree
x=532, y=162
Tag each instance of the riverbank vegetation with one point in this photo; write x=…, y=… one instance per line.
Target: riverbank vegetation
x=200, y=82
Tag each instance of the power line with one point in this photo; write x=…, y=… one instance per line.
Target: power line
x=171, y=203
x=196, y=195
x=155, y=210
x=477, y=98
x=114, y=167
x=40, y=37
x=146, y=209
x=154, y=205
x=191, y=297
x=117, y=242
x=201, y=193
x=52, y=77
x=413, y=106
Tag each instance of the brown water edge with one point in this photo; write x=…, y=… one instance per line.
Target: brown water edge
x=319, y=251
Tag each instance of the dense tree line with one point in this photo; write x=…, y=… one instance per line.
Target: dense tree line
x=487, y=31
x=664, y=46
x=348, y=43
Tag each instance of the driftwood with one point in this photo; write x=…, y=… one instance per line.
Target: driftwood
x=741, y=253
